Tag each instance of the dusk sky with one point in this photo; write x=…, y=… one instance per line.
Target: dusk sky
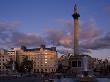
x=33, y=22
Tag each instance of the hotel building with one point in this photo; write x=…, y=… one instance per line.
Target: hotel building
x=44, y=59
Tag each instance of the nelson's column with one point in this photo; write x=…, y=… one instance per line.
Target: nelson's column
x=76, y=60
x=75, y=17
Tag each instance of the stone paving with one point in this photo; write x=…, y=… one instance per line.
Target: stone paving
x=23, y=79
x=33, y=79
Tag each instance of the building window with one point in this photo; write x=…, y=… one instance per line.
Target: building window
x=49, y=70
x=45, y=70
x=41, y=70
x=45, y=56
x=79, y=63
x=37, y=70
x=45, y=59
x=45, y=53
x=74, y=63
x=3, y=67
x=45, y=62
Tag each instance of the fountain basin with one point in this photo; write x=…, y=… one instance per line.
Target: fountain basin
x=86, y=77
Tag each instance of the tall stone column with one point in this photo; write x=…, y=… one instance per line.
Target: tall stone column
x=76, y=44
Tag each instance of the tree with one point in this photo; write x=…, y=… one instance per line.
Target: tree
x=8, y=64
x=26, y=65
x=60, y=67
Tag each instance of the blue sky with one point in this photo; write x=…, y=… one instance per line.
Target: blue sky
x=37, y=16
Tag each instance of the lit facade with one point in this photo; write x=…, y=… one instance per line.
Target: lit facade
x=44, y=59
x=3, y=59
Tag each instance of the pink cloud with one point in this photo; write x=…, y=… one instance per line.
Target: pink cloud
x=107, y=9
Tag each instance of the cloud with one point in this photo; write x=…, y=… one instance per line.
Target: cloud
x=90, y=37
x=11, y=37
x=87, y=31
x=27, y=39
x=5, y=32
x=66, y=23
x=10, y=25
x=107, y=9
x=98, y=43
x=58, y=37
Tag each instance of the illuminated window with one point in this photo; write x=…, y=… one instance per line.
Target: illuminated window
x=45, y=56
x=45, y=62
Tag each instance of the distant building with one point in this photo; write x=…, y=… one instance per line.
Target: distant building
x=13, y=53
x=3, y=59
x=63, y=64
x=44, y=59
x=3, y=51
x=100, y=67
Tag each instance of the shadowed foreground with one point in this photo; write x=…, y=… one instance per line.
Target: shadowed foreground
x=34, y=79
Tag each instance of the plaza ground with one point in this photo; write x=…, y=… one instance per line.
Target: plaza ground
x=39, y=79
